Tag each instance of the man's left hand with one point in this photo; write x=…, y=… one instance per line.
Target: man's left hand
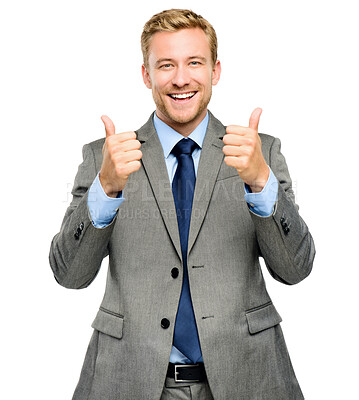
x=243, y=151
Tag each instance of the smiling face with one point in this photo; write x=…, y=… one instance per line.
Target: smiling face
x=181, y=74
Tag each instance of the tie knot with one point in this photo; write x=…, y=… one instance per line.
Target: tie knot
x=184, y=146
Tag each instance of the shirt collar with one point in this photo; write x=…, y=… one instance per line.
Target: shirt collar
x=169, y=137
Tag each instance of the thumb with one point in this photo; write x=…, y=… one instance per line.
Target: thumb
x=109, y=125
x=254, y=119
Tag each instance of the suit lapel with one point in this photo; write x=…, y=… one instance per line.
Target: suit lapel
x=155, y=168
x=208, y=168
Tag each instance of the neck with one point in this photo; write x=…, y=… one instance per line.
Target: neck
x=185, y=129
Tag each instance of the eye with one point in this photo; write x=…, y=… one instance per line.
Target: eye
x=195, y=63
x=166, y=66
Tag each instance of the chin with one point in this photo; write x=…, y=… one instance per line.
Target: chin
x=185, y=117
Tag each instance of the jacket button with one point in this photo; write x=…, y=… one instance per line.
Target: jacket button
x=165, y=323
x=286, y=230
x=174, y=273
x=81, y=226
x=77, y=235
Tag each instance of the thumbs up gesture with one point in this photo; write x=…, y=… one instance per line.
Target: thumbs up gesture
x=243, y=151
x=121, y=157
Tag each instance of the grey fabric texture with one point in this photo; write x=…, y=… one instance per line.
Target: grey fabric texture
x=184, y=391
x=242, y=343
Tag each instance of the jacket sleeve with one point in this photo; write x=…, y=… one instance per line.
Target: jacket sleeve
x=77, y=251
x=284, y=239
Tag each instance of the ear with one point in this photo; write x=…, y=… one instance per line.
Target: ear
x=146, y=77
x=216, y=72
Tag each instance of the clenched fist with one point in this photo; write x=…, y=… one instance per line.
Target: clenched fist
x=243, y=151
x=121, y=157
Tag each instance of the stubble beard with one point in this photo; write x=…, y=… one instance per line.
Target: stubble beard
x=177, y=118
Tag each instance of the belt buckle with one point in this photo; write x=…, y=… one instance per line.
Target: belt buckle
x=184, y=366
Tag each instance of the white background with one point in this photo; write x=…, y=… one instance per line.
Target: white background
x=65, y=63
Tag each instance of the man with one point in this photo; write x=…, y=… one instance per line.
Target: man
x=184, y=207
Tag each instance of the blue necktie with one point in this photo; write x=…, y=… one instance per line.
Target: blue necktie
x=185, y=334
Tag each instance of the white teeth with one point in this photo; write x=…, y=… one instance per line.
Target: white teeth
x=182, y=95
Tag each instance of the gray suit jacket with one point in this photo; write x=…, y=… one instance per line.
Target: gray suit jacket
x=239, y=328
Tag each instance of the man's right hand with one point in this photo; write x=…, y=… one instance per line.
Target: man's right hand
x=121, y=156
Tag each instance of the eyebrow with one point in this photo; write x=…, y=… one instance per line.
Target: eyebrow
x=161, y=60
x=204, y=59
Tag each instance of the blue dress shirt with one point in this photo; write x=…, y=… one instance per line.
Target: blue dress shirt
x=103, y=209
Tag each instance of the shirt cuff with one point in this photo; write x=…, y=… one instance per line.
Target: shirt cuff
x=263, y=203
x=102, y=208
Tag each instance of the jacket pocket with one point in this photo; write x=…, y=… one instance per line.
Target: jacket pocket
x=262, y=317
x=109, y=323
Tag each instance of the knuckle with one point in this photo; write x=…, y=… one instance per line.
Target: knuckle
x=112, y=148
x=245, y=163
x=116, y=156
x=117, y=159
x=110, y=151
x=112, y=156
x=250, y=142
x=250, y=151
x=120, y=171
x=107, y=143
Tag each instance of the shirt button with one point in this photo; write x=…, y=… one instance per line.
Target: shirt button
x=174, y=272
x=165, y=323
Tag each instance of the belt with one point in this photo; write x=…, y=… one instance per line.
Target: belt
x=187, y=373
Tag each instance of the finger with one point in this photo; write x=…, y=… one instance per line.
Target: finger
x=134, y=166
x=134, y=155
x=254, y=119
x=128, y=168
x=123, y=137
x=232, y=161
x=236, y=130
x=123, y=141
x=235, y=151
x=128, y=156
x=237, y=140
x=131, y=144
x=109, y=125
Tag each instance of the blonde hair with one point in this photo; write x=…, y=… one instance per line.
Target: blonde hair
x=175, y=20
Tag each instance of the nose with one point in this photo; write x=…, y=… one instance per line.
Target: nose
x=181, y=76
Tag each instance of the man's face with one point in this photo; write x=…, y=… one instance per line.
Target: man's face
x=180, y=74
